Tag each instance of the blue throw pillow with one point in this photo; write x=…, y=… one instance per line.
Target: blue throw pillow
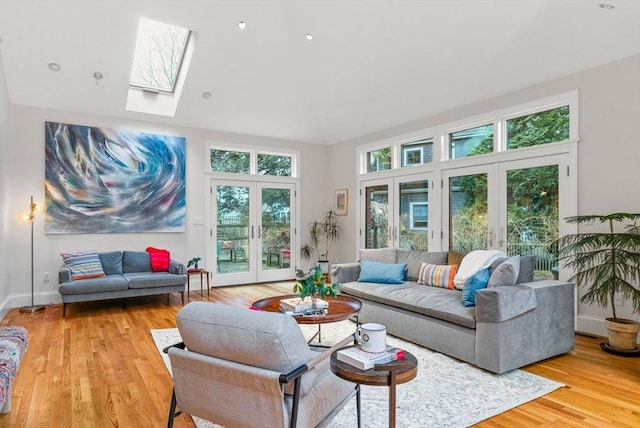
x=473, y=284
x=384, y=273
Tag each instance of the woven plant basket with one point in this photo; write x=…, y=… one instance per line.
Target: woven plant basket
x=622, y=334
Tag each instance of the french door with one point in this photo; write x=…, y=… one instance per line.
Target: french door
x=396, y=212
x=252, y=233
x=513, y=206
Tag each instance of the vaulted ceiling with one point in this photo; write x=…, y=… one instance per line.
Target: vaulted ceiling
x=371, y=65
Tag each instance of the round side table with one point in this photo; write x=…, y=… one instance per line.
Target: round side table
x=389, y=374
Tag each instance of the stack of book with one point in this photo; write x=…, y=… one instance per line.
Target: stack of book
x=365, y=360
x=297, y=305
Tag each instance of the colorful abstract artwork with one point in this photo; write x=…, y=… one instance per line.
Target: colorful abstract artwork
x=101, y=180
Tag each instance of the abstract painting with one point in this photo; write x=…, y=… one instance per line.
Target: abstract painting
x=100, y=180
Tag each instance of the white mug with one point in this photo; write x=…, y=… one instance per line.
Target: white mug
x=372, y=337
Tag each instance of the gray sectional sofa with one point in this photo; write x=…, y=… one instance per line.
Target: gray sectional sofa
x=510, y=326
x=127, y=274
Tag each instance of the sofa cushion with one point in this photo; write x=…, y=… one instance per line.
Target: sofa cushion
x=437, y=275
x=111, y=262
x=473, y=284
x=159, y=259
x=435, y=302
x=506, y=273
x=385, y=273
x=135, y=261
x=414, y=260
x=94, y=285
x=83, y=265
x=527, y=267
x=153, y=279
x=384, y=255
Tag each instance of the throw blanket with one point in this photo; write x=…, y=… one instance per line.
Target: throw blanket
x=474, y=262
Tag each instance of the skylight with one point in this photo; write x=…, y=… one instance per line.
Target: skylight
x=160, y=49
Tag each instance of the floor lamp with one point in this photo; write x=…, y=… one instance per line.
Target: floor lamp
x=27, y=217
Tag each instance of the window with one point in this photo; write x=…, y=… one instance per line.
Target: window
x=418, y=215
x=160, y=49
x=417, y=152
x=544, y=127
x=379, y=160
x=471, y=142
x=252, y=161
x=274, y=165
x=230, y=161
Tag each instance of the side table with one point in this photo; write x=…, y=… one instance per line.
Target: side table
x=389, y=374
x=202, y=273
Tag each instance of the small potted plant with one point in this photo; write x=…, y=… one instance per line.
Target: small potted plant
x=608, y=264
x=322, y=234
x=193, y=262
x=314, y=283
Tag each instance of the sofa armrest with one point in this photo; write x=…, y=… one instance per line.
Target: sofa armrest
x=345, y=272
x=64, y=275
x=500, y=304
x=177, y=267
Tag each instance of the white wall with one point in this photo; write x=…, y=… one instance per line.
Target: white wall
x=24, y=166
x=4, y=173
x=608, y=156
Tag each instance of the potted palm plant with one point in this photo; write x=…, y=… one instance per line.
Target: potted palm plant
x=322, y=235
x=608, y=264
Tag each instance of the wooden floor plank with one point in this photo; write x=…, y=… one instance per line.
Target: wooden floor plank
x=99, y=367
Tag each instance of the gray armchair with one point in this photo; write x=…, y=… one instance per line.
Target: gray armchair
x=242, y=368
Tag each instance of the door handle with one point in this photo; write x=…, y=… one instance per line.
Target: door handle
x=251, y=232
x=259, y=232
x=491, y=233
x=501, y=237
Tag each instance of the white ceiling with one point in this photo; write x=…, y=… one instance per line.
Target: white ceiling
x=371, y=65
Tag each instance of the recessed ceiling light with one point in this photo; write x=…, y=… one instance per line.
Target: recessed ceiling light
x=242, y=25
x=606, y=6
x=54, y=67
x=206, y=95
x=309, y=36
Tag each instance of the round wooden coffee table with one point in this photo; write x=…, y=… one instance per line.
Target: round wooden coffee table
x=340, y=308
x=389, y=374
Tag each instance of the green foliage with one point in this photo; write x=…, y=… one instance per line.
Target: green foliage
x=314, y=283
x=322, y=235
x=230, y=161
x=193, y=262
x=538, y=128
x=605, y=262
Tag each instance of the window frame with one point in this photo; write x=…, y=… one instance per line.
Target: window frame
x=253, y=152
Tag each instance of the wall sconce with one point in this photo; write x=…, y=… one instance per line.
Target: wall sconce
x=27, y=217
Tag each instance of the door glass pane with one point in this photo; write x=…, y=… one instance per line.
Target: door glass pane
x=276, y=228
x=232, y=230
x=414, y=215
x=471, y=142
x=532, y=215
x=377, y=216
x=230, y=161
x=468, y=222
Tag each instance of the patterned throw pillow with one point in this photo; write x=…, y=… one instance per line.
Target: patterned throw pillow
x=83, y=265
x=437, y=275
x=159, y=259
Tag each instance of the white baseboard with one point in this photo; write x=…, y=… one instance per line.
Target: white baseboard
x=20, y=300
x=592, y=325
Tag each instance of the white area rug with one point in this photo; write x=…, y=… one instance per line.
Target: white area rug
x=446, y=392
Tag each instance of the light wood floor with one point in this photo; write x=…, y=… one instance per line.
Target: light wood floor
x=98, y=367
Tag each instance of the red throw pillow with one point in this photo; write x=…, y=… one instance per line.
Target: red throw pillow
x=159, y=259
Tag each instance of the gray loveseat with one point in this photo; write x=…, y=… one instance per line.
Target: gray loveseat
x=510, y=326
x=127, y=274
